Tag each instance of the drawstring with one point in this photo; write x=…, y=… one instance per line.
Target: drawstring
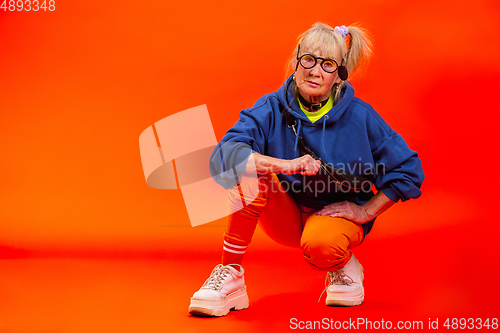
x=325, y=118
x=297, y=138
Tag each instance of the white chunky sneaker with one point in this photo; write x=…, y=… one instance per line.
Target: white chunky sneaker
x=344, y=287
x=223, y=291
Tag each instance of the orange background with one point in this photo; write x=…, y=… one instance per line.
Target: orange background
x=78, y=85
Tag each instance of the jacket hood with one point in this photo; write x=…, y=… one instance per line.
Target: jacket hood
x=288, y=100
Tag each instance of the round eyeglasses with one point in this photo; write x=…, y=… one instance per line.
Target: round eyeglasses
x=308, y=61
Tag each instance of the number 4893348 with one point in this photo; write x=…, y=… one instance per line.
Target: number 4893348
x=28, y=5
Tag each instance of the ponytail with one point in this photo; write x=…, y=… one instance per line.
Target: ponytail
x=359, y=49
x=359, y=52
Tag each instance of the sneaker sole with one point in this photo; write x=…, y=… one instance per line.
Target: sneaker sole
x=237, y=300
x=346, y=299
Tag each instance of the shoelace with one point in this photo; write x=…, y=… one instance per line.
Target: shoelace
x=337, y=277
x=216, y=278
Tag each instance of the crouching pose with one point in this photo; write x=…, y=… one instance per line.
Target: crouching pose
x=302, y=162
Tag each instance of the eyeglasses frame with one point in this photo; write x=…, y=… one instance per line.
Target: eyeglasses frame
x=315, y=61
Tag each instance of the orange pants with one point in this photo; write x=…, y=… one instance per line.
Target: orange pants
x=326, y=242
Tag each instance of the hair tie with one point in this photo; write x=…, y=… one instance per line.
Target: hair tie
x=342, y=31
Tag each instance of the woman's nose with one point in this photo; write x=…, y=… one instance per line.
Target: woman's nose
x=316, y=70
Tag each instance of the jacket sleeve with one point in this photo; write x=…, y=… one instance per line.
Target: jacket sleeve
x=399, y=170
x=229, y=158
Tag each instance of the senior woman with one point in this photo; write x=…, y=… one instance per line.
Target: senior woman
x=302, y=163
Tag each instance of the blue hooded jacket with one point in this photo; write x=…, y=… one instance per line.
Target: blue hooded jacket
x=351, y=137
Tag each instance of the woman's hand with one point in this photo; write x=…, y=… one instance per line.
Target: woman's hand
x=305, y=165
x=359, y=214
x=347, y=210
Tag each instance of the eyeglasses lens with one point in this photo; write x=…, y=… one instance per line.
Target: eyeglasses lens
x=329, y=66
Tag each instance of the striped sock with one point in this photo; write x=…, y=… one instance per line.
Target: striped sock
x=232, y=253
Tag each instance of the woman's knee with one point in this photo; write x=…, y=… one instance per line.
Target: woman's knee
x=326, y=251
x=250, y=196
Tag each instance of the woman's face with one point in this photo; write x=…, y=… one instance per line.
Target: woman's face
x=314, y=84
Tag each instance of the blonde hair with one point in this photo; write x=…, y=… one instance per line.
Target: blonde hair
x=352, y=52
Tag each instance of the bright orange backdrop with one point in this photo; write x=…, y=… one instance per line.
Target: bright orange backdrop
x=79, y=85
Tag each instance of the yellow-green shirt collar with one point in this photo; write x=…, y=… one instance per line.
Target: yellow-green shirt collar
x=314, y=116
